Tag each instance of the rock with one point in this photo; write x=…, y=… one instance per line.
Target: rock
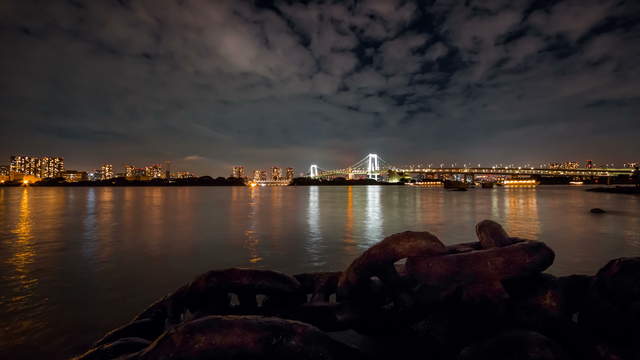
x=612, y=308
x=491, y=234
x=545, y=304
x=379, y=261
x=515, y=345
x=115, y=350
x=575, y=289
x=597, y=211
x=480, y=272
x=246, y=337
x=536, y=301
x=148, y=329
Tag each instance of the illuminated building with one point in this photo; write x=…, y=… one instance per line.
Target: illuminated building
x=167, y=169
x=129, y=170
x=154, y=171
x=183, y=175
x=45, y=167
x=106, y=172
x=276, y=173
x=74, y=176
x=94, y=175
x=263, y=175
x=25, y=165
x=290, y=173
x=4, y=170
x=256, y=175
x=237, y=172
x=51, y=167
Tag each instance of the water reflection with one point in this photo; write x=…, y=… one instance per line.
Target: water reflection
x=348, y=224
x=521, y=212
x=373, y=221
x=252, y=238
x=89, y=224
x=313, y=246
x=21, y=280
x=23, y=252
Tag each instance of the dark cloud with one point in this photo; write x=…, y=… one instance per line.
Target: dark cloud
x=207, y=84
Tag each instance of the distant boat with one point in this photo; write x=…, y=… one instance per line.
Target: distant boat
x=519, y=182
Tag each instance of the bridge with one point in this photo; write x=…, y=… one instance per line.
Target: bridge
x=373, y=167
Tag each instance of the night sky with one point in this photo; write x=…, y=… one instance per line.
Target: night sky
x=209, y=84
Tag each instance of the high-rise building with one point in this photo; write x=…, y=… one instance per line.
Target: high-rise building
x=256, y=175
x=154, y=171
x=45, y=167
x=237, y=171
x=4, y=170
x=51, y=167
x=167, y=169
x=25, y=165
x=276, y=173
x=290, y=174
x=106, y=172
x=129, y=170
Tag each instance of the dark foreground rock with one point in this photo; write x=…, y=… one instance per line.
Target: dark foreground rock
x=515, y=345
x=409, y=294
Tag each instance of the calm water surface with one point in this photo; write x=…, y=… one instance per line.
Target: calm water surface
x=76, y=262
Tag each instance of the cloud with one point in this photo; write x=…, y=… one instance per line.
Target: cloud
x=286, y=83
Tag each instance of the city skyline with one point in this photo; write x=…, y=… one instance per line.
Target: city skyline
x=53, y=166
x=475, y=81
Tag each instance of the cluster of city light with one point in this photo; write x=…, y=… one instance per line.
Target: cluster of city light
x=40, y=167
x=519, y=182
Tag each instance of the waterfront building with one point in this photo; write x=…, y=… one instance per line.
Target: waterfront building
x=167, y=169
x=263, y=175
x=256, y=175
x=51, y=167
x=237, y=171
x=4, y=170
x=74, y=176
x=106, y=172
x=24, y=165
x=154, y=171
x=94, y=175
x=290, y=174
x=129, y=170
x=276, y=173
x=48, y=166
x=183, y=175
